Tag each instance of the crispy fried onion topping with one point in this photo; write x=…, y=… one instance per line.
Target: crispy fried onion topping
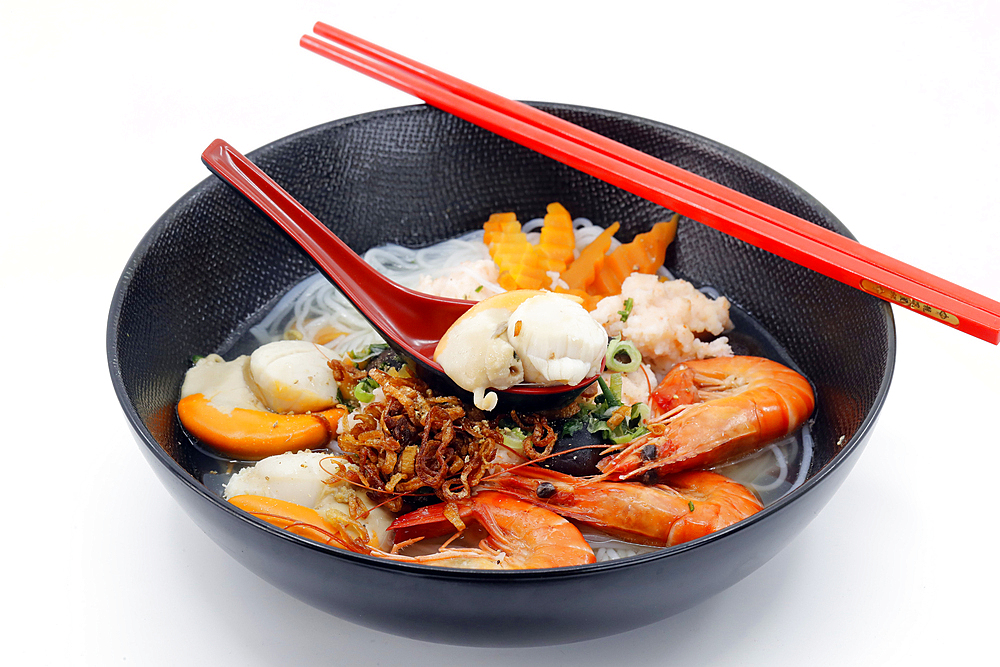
x=540, y=438
x=346, y=374
x=417, y=442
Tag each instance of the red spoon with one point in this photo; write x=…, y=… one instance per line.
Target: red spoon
x=410, y=321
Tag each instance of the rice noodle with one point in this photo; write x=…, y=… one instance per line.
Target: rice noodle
x=806, y=463
x=311, y=306
x=768, y=471
x=406, y=265
x=586, y=232
x=533, y=225
x=315, y=306
x=782, y=471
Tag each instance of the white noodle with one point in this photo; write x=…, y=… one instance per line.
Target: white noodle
x=535, y=224
x=315, y=305
x=807, y=451
x=782, y=471
x=608, y=548
x=262, y=330
x=406, y=266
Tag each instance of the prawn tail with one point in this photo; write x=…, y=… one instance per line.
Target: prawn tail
x=431, y=521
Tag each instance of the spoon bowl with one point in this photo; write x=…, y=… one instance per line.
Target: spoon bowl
x=411, y=322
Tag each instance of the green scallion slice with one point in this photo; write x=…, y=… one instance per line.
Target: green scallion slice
x=364, y=391
x=626, y=309
x=622, y=356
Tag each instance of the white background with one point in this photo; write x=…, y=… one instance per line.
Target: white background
x=885, y=111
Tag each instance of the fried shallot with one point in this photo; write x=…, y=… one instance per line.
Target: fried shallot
x=540, y=438
x=416, y=443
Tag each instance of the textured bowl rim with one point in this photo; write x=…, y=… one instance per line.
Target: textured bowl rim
x=453, y=574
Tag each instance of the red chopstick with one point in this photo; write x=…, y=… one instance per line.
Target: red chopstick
x=690, y=195
x=646, y=162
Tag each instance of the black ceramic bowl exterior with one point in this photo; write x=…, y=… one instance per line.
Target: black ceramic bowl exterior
x=416, y=175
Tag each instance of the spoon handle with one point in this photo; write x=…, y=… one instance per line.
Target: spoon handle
x=406, y=317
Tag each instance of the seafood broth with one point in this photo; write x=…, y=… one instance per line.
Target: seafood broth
x=771, y=472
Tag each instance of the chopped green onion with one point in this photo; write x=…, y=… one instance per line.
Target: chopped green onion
x=610, y=398
x=622, y=356
x=479, y=289
x=690, y=506
x=195, y=358
x=364, y=391
x=627, y=309
x=366, y=353
x=616, y=387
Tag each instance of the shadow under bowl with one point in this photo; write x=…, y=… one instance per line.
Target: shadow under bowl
x=212, y=265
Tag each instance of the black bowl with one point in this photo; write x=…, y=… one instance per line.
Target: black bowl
x=415, y=175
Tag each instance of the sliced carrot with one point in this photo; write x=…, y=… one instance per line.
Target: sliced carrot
x=321, y=337
x=644, y=254
x=508, y=243
x=520, y=263
x=326, y=334
x=500, y=223
x=582, y=271
x=558, y=240
x=525, y=269
x=507, y=281
x=256, y=434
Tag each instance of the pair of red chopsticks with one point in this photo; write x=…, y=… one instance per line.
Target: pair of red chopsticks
x=692, y=196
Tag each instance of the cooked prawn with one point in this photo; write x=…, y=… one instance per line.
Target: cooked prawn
x=710, y=411
x=525, y=535
x=521, y=535
x=684, y=507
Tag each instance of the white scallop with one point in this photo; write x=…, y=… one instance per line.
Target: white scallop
x=557, y=340
x=292, y=376
x=478, y=356
x=296, y=478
